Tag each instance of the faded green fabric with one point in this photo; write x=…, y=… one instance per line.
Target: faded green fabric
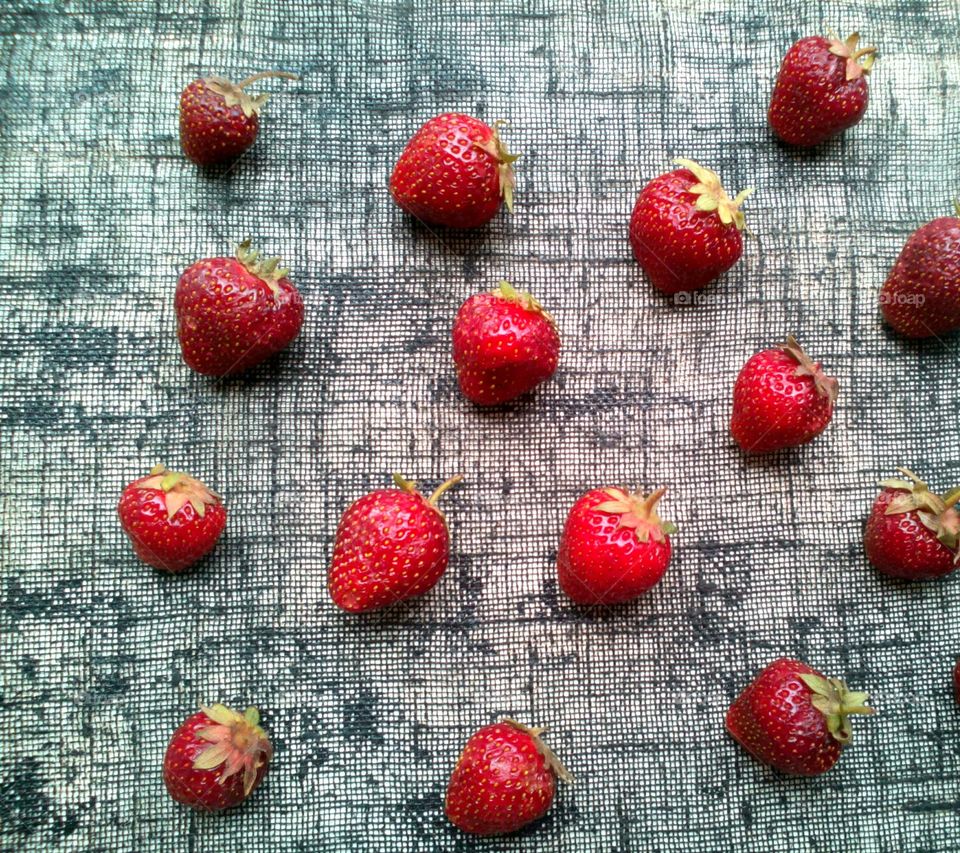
x=102, y=657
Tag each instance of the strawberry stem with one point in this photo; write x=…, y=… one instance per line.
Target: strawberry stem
x=262, y=75
x=432, y=500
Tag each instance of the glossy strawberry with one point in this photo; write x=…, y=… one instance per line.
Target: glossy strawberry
x=794, y=718
x=956, y=681
x=921, y=296
x=172, y=519
x=506, y=777
x=455, y=172
x=821, y=89
x=685, y=229
x=391, y=545
x=614, y=546
x=781, y=399
x=504, y=344
x=218, y=119
x=217, y=758
x=911, y=532
x=232, y=313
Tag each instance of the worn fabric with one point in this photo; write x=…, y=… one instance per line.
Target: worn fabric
x=102, y=657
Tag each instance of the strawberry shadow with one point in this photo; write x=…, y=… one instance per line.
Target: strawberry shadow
x=283, y=367
x=832, y=147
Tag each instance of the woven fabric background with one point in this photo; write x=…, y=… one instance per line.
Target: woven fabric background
x=102, y=657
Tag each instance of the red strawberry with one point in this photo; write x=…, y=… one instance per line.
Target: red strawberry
x=216, y=759
x=781, y=399
x=504, y=344
x=172, y=519
x=956, y=681
x=391, y=545
x=795, y=719
x=455, y=171
x=506, y=777
x=921, y=296
x=912, y=533
x=218, y=119
x=821, y=89
x=685, y=229
x=232, y=313
x=614, y=546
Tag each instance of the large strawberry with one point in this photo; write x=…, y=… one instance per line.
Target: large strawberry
x=455, y=171
x=504, y=344
x=391, y=544
x=216, y=758
x=232, y=313
x=685, y=229
x=505, y=778
x=218, y=119
x=921, y=296
x=794, y=718
x=172, y=519
x=821, y=89
x=781, y=399
x=913, y=533
x=614, y=546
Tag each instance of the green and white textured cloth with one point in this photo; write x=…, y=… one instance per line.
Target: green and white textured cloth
x=102, y=657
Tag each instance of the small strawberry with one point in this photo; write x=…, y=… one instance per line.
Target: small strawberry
x=956, y=681
x=921, y=296
x=505, y=778
x=685, y=229
x=232, y=313
x=821, y=89
x=391, y=545
x=795, y=719
x=216, y=759
x=912, y=533
x=455, y=172
x=218, y=119
x=781, y=399
x=614, y=546
x=504, y=344
x=172, y=519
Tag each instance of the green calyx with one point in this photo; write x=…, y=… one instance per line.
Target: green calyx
x=832, y=698
x=638, y=513
x=268, y=270
x=233, y=94
x=937, y=513
x=495, y=148
x=179, y=489
x=525, y=300
x=554, y=764
x=847, y=49
x=712, y=197
x=827, y=386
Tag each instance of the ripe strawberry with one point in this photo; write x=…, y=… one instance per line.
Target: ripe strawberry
x=505, y=778
x=232, y=313
x=218, y=119
x=781, y=399
x=821, y=89
x=912, y=533
x=685, y=229
x=454, y=172
x=614, y=546
x=391, y=545
x=795, y=719
x=956, y=681
x=921, y=296
x=504, y=344
x=216, y=759
x=172, y=519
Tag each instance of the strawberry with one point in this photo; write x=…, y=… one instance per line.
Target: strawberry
x=912, y=533
x=956, y=680
x=795, y=719
x=504, y=344
x=821, y=89
x=781, y=399
x=216, y=759
x=505, y=778
x=172, y=519
x=218, y=119
x=614, y=546
x=455, y=172
x=921, y=296
x=685, y=229
x=391, y=545
x=232, y=313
